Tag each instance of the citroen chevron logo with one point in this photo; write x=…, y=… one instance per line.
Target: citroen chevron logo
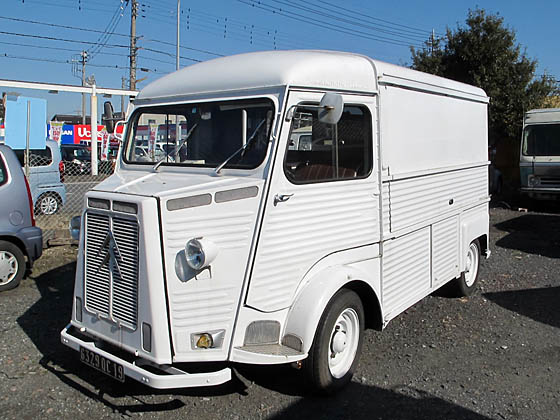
x=111, y=255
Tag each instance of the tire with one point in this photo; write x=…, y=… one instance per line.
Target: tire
x=47, y=204
x=333, y=357
x=467, y=281
x=12, y=265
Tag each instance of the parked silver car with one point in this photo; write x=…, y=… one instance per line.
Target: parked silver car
x=20, y=239
x=46, y=177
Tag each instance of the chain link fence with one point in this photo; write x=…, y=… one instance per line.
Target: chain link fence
x=59, y=177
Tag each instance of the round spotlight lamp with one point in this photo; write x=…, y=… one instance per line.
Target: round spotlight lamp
x=200, y=253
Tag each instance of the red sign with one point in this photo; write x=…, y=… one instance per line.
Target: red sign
x=82, y=133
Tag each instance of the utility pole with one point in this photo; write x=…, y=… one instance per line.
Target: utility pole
x=133, y=15
x=178, y=28
x=84, y=56
x=433, y=40
x=177, y=126
x=123, y=80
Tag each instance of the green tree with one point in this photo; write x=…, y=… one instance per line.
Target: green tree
x=484, y=53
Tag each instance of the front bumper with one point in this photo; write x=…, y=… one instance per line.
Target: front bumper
x=171, y=377
x=549, y=193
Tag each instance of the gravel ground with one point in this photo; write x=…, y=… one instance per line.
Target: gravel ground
x=495, y=355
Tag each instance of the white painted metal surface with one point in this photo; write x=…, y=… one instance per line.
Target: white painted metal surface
x=329, y=70
x=207, y=301
x=536, y=116
x=422, y=131
x=422, y=198
x=318, y=220
x=445, y=251
x=406, y=271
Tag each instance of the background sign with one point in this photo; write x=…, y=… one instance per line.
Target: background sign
x=16, y=123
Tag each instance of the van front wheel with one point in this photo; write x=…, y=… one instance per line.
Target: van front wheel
x=337, y=344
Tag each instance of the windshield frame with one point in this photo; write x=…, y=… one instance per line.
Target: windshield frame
x=129, y=142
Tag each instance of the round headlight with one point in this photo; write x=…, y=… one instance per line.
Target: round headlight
x=200, y=253
x=195, y=254
x=533, y=180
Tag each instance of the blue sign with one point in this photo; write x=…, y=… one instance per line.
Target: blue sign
x=16, y=122
x=67, y=133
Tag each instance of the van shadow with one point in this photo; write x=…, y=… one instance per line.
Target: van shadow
x=43, y=322
x=359, y=401
x=532, y=234
x=538, y=304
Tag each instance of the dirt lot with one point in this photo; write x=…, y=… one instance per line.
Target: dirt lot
x=495, y=355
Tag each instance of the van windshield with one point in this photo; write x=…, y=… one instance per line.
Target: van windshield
x=541, y=140
x=201, y=134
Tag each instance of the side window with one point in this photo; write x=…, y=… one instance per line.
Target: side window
x=322, y=152
x=37, y=157
x=3, y=173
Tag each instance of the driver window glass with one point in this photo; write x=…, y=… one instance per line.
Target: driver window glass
x=3, y=174
x=324, y=152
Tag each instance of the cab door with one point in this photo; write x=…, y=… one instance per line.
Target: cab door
x=323, y=198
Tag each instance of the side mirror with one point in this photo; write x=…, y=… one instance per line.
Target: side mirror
x=330, y=108
x=108, y=117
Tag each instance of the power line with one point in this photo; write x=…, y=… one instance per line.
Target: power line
x=353, y=22
x=46, y=3
x=44, y=47
x=224, y=26
x=55, y=25
x=360, y=15
x=104, y=38
x=50, y=38
x=107, y=66
x=322, y=24
x=212, y=25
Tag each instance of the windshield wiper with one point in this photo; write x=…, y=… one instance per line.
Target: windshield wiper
x=181, y=144
x=241, y=149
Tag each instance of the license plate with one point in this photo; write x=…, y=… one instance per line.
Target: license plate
x=102, y=364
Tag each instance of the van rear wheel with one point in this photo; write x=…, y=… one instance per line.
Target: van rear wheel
x=48, y=203
x=466, y=282
x=337, y=344
x=12, y=265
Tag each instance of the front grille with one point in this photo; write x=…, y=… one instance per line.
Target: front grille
x=550, y=181
x=111, y=268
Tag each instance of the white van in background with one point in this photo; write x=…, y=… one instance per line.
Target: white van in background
x=246, y=248
x=539, y=161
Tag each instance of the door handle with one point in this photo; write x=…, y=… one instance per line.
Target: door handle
x=281, y=198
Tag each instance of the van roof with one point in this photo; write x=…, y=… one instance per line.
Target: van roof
x=536, y=116
x=304, y=68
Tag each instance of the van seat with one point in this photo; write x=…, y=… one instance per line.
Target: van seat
x=317, y=171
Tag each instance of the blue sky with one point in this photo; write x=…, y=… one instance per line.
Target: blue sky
x=222, y=27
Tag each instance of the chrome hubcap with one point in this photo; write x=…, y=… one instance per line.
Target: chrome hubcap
x=344, y=342
x=8, y=267
x=48, y=205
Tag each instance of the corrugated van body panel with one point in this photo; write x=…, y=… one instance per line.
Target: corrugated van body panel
x=445, y=251
x=318, y=220
x=386, y=208
x=406, y=270
x=417, y=199
x=207, y=300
